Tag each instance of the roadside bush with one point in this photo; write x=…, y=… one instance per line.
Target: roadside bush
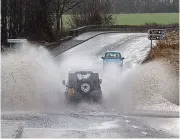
x=79, y=20
x=92, y=13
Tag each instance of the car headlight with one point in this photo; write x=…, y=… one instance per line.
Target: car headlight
x=121, y=63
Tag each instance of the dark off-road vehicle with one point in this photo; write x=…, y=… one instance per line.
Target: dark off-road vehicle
x=83, y=85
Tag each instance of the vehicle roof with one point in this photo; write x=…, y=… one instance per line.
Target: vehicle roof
x=78, y=71
x=112, y=52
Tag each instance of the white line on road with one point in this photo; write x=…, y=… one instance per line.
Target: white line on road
x=127, y=121
x=145, y=133
x=135, y=126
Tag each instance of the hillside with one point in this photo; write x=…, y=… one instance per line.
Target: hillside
x=167, y=49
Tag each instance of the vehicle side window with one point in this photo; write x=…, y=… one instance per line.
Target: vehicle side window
x=118, y=55
x=107, y=55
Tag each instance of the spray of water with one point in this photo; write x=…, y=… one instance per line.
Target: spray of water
x=31, y=81
x=145, y=85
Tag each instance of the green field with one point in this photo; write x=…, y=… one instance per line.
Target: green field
x=139, y=19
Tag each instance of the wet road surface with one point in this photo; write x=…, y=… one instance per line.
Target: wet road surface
x=134, y=47
x=79, y=126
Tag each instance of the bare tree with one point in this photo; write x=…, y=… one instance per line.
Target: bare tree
x=94, y=12
x=137, y=6
x=63, y=6
x=3, y=22
x=175, y=4
x=26, y=18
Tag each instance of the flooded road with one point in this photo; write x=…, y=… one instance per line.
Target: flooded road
x=124, y=93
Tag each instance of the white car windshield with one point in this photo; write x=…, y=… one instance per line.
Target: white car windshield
x=113, y=55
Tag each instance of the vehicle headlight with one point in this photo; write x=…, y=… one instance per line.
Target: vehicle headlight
x=121, y=63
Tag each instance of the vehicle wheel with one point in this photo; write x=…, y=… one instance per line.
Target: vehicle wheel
x=69, y=101
x=85, y=87
x=95, y=78
x=96, y=95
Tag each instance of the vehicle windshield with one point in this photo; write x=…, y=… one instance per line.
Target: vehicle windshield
x=112, y=55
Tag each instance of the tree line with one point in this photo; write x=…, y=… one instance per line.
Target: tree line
x=33, y=19
x=145, y=6
x=42, y=19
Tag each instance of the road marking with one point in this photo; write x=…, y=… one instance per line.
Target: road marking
x=135, y=126
x=127, y=121
x=105, y=125
x=145, y=133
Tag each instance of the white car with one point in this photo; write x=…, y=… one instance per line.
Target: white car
x=113, y=57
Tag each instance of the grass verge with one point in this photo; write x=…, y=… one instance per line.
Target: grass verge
x=143, y=18
x=167, y=49
x=137, y=19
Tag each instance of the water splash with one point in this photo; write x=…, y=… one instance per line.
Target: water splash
x=31, y=81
